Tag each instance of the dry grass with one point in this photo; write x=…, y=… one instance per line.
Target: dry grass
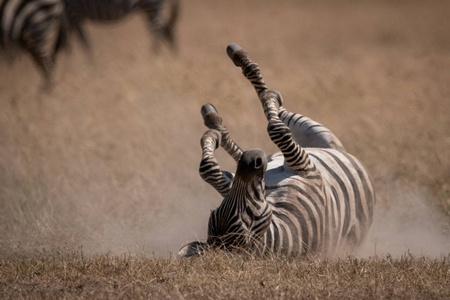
x=69, y=275
x=109, y=159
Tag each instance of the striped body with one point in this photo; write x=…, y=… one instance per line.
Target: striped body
x=36, y=26
x=323, y=211
x=323, y=215
x=311, y=197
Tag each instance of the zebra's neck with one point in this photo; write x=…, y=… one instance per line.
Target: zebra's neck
x=244, y=213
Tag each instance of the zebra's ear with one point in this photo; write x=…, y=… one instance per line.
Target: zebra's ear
x=192, y=249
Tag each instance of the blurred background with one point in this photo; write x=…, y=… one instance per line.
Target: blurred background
x=108, y=160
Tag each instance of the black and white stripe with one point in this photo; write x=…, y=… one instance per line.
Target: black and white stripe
x=113, y=10
x=36, y=26
x=312, y=196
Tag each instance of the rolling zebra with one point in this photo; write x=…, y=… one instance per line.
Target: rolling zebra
x=37, y=26
x=311, y=197
x=113, y=10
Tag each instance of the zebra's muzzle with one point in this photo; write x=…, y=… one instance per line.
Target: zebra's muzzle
x=252, y=163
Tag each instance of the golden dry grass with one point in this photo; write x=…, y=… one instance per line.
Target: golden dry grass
x=109, y=159
x=67, y=274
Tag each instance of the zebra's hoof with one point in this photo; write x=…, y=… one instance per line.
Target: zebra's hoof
x=192, y=249
x=211, y=116
x=208, y=108
x=231, y=48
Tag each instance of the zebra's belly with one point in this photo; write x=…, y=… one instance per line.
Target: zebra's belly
x=298, y=209
x=279, y=179
x=277, y=173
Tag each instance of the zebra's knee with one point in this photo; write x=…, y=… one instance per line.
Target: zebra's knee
x=211, y=136
x=279, y=97
x=272, y=98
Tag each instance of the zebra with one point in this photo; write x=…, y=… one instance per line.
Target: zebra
x=36, y=26
x=312, y=197
x=113, y=10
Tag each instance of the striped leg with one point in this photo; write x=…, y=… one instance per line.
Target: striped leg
x=78, y=27
x=152, y=10
x=209, y=168
x=162, y=28
x=46, y=65
x=306, y=132
x=75, y=16
x=36, y=26
x=250, y=69
x=214, y=121
x=41, y=41
x=296, y=157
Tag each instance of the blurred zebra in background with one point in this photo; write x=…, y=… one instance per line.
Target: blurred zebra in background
x=113, y=10
x=36, y=26
x=312, y=197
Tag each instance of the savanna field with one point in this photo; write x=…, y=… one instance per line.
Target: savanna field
x=99, y=183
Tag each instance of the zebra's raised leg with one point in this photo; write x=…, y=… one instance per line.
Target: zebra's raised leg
x=250, y=69
x=212, y=120
x=296, y=157
x=209, y=168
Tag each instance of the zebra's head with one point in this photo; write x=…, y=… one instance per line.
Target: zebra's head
x=243, y=217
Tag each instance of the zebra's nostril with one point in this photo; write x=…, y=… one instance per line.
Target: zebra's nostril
x=258, y=163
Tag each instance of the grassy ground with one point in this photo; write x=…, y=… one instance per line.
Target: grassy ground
x=218, y=276
x=109, y=159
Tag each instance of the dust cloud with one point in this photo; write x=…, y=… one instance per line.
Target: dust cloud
x=407, y=225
